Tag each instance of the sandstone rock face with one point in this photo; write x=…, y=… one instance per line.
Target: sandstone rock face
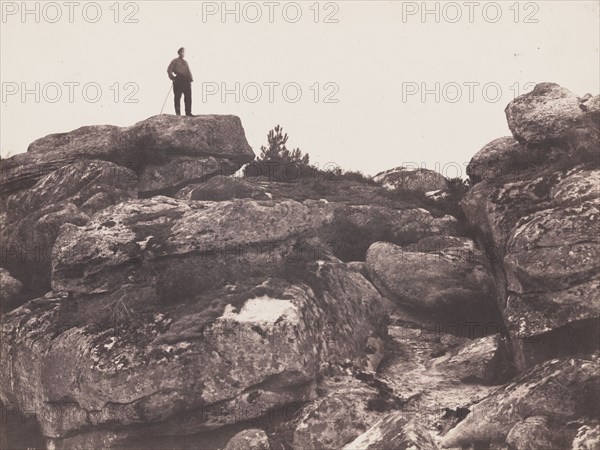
x=65, y=178
x=422, y=180
x=160, y=150
x=394, y=432
x=444, y=285
x=561, y=391
x=537, y=221
x=125, y=361
x=34, y=216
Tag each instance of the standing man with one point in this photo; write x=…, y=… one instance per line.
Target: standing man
x=179, y=72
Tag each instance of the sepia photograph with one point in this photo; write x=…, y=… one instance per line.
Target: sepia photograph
x=300, y=225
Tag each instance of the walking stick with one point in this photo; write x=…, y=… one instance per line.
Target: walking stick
x=165, y=102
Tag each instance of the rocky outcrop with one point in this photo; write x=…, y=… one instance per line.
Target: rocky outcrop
x=535, y=208
x=217, y=311
x=164, y=151
x=550, y=113
x=172, y=317
x=33, y=217
x=421, y=180
x=66, y=178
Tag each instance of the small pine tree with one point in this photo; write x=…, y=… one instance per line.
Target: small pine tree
x=276, y=155
x=277, y=150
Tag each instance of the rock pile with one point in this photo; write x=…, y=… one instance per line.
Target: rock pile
x=153, y=301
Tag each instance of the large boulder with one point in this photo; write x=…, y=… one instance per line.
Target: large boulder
x=559, y=392
x=226, y=355
x=442, y=285
x=34, y=216
x=410, y=179
x=548, y=113
x=164, y=151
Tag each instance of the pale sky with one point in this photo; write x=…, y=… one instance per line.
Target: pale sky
x=373, y=57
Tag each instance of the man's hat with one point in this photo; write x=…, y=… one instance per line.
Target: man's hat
x=180, y=50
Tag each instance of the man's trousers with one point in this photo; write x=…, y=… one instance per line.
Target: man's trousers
x=182, y=86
